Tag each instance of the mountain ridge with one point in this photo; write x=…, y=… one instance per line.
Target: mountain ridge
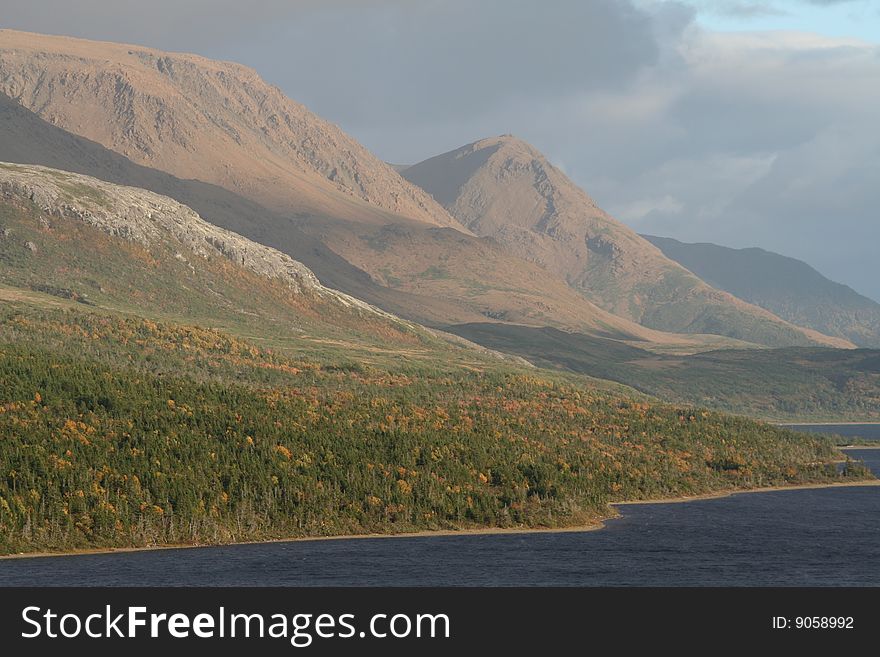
x=330, y=203
x=127, y=249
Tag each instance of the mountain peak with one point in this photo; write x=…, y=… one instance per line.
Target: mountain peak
x=504, y=188
x=507, y=145
x=507, y=140
x=444, y=176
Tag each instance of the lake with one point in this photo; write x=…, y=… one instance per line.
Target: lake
x=822, y=537
x=863, y=431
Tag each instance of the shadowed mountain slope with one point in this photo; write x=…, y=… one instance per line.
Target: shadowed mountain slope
x=785, y=286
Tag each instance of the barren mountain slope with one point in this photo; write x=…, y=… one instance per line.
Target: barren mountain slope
x=213, y=121
x=332, y=203
x=427, y=274
x=503, y=188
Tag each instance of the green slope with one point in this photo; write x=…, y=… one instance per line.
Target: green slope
x=185, y=278
x=124, y=432
x=796, y=383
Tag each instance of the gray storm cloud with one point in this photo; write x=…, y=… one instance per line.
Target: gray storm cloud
x=766, y=139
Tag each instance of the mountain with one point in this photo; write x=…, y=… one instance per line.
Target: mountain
x=505, y=189
x=785, y=286
x=171, y=123
x=124, y=249
x=72, y=241
x=436, y=276
x=165, y=381
x=25, y=138
x=217, y=122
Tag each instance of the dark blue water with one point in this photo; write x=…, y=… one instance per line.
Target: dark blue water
x=792, y=538
x=864, y=431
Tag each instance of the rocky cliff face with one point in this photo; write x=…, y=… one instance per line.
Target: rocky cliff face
x=146, y=219
x=149, y=219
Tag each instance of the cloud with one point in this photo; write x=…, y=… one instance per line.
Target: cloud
x=639, y=209
x=168, y=24
x=741, y=8
x=748, y=10
x=441, y=60
x=775, y=146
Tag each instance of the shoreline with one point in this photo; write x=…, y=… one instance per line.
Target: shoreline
x=477, y=531
x=873, y=423
x=746, y=491
x=424, y=533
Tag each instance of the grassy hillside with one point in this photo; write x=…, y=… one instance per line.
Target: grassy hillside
x=785, y=286
x=797, y=383
x=127, y=432
x=110, y=248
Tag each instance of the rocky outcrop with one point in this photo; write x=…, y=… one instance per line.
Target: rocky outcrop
x=150, y=219
x=146, y=219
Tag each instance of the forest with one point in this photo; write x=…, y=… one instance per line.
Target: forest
x=121, y=431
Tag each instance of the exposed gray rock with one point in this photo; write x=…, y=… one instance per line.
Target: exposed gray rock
x=145, y=218
x=150, y=219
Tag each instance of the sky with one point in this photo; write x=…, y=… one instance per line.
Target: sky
x=739, y=122
x=859, y=19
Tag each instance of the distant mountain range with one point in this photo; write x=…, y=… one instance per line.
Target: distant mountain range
x=785, y=286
